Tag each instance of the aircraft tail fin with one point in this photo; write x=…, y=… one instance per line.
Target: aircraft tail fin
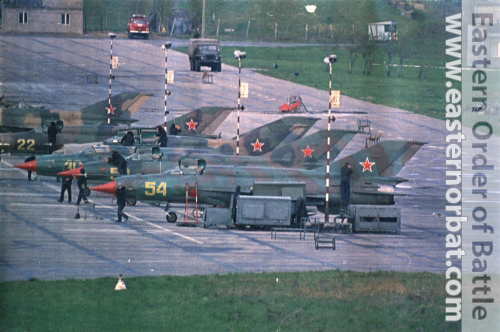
x=125, y=105
x=204, y=120
x=286, y=129
x=384, y=159
x=311, y=151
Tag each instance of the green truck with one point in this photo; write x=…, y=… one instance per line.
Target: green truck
x=204, y=52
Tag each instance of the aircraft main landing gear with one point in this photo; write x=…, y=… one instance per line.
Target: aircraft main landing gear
x=170, y=215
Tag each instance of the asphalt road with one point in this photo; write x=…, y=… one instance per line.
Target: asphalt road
x=39, y=238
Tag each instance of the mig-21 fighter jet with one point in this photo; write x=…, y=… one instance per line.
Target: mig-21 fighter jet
x=373, y=180
x=308, y=152
x=272, y=134
x=35, y=141
x=126, y=104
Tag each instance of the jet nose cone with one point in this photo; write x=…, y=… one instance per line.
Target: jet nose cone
x=109, y=188
x=29, y=166
x=71, y=172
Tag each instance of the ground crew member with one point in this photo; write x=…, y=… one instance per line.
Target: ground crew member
x=235, y=201
x=52, y=136
x=82, y=185
x=118, y=160
x=162, y=136
x=174, y=130
x=31, y=158
x=345, y=182
x=66, y=185
x=128, y=139
x=121, y=196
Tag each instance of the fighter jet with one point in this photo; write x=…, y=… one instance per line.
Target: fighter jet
x=50, y=165
x=373, y=181
x=15, y=119
x=308, y=152
x=201, y=122
x=36, y=142
x=271, y=134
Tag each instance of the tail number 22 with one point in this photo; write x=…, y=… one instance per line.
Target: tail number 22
x=25, y=144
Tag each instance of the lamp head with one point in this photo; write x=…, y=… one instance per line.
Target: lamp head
x=311, y=9
x=332, y=58
x=239, y=55
x=112, y=35
x=166, y=46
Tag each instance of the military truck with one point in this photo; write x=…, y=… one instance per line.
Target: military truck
x=204, y=52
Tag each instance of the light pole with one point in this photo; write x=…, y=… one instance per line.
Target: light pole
x=110, y=108
x=203, y=20
x=329, y=60
x=165, y=47
x=239, y=55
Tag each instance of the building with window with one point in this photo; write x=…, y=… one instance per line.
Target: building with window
x=43, y=16
x=382, y=31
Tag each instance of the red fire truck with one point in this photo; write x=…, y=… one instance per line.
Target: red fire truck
x=138, y=25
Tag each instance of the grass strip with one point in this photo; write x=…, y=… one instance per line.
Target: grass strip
x=307, y=301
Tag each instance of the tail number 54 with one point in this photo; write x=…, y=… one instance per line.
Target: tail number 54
x=151, y=188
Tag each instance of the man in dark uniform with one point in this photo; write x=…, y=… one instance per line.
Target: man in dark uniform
x=235, y=201
x=118, y=160
x=82, y=184
x=31, y=158
x=174, y=130
x=121, y=196
x=128, y=139
x=345, y=182
x=66, y=185
x=52, y=136
x=162, y=136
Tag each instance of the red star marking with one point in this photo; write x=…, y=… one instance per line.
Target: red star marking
x=307, y=152
x=257, y=145
x=111, y=109
x=191, y=125
x=367, y=165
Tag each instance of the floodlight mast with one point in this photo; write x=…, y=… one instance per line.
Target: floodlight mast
x=239, y=55
x=110, y=107
x=166, y=47
x=329, y=60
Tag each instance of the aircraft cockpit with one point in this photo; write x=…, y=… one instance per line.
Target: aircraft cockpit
x=192, y=166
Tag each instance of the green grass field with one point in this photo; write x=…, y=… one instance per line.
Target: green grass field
x=310, y=301
x=420, y=95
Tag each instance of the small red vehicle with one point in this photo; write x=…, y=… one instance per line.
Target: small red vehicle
x=138, y=25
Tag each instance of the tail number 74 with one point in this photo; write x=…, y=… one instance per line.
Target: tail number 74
x=152, y=188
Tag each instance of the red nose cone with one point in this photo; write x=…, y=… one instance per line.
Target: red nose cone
x=29, y=166
x=109, y=188
x=71, y=172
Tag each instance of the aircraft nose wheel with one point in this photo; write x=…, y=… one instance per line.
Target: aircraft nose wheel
x=171, y=217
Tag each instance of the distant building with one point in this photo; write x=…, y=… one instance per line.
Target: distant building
x=43, y=16
x=182, y=21
x=382, y=31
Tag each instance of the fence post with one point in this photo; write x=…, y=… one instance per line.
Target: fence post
x=307, y=26
x=218, y=23
x=248, y=28
x=173, y=25
x=276, y=31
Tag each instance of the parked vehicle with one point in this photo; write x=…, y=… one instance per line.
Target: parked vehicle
x=138, y=25
x=204, y=52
